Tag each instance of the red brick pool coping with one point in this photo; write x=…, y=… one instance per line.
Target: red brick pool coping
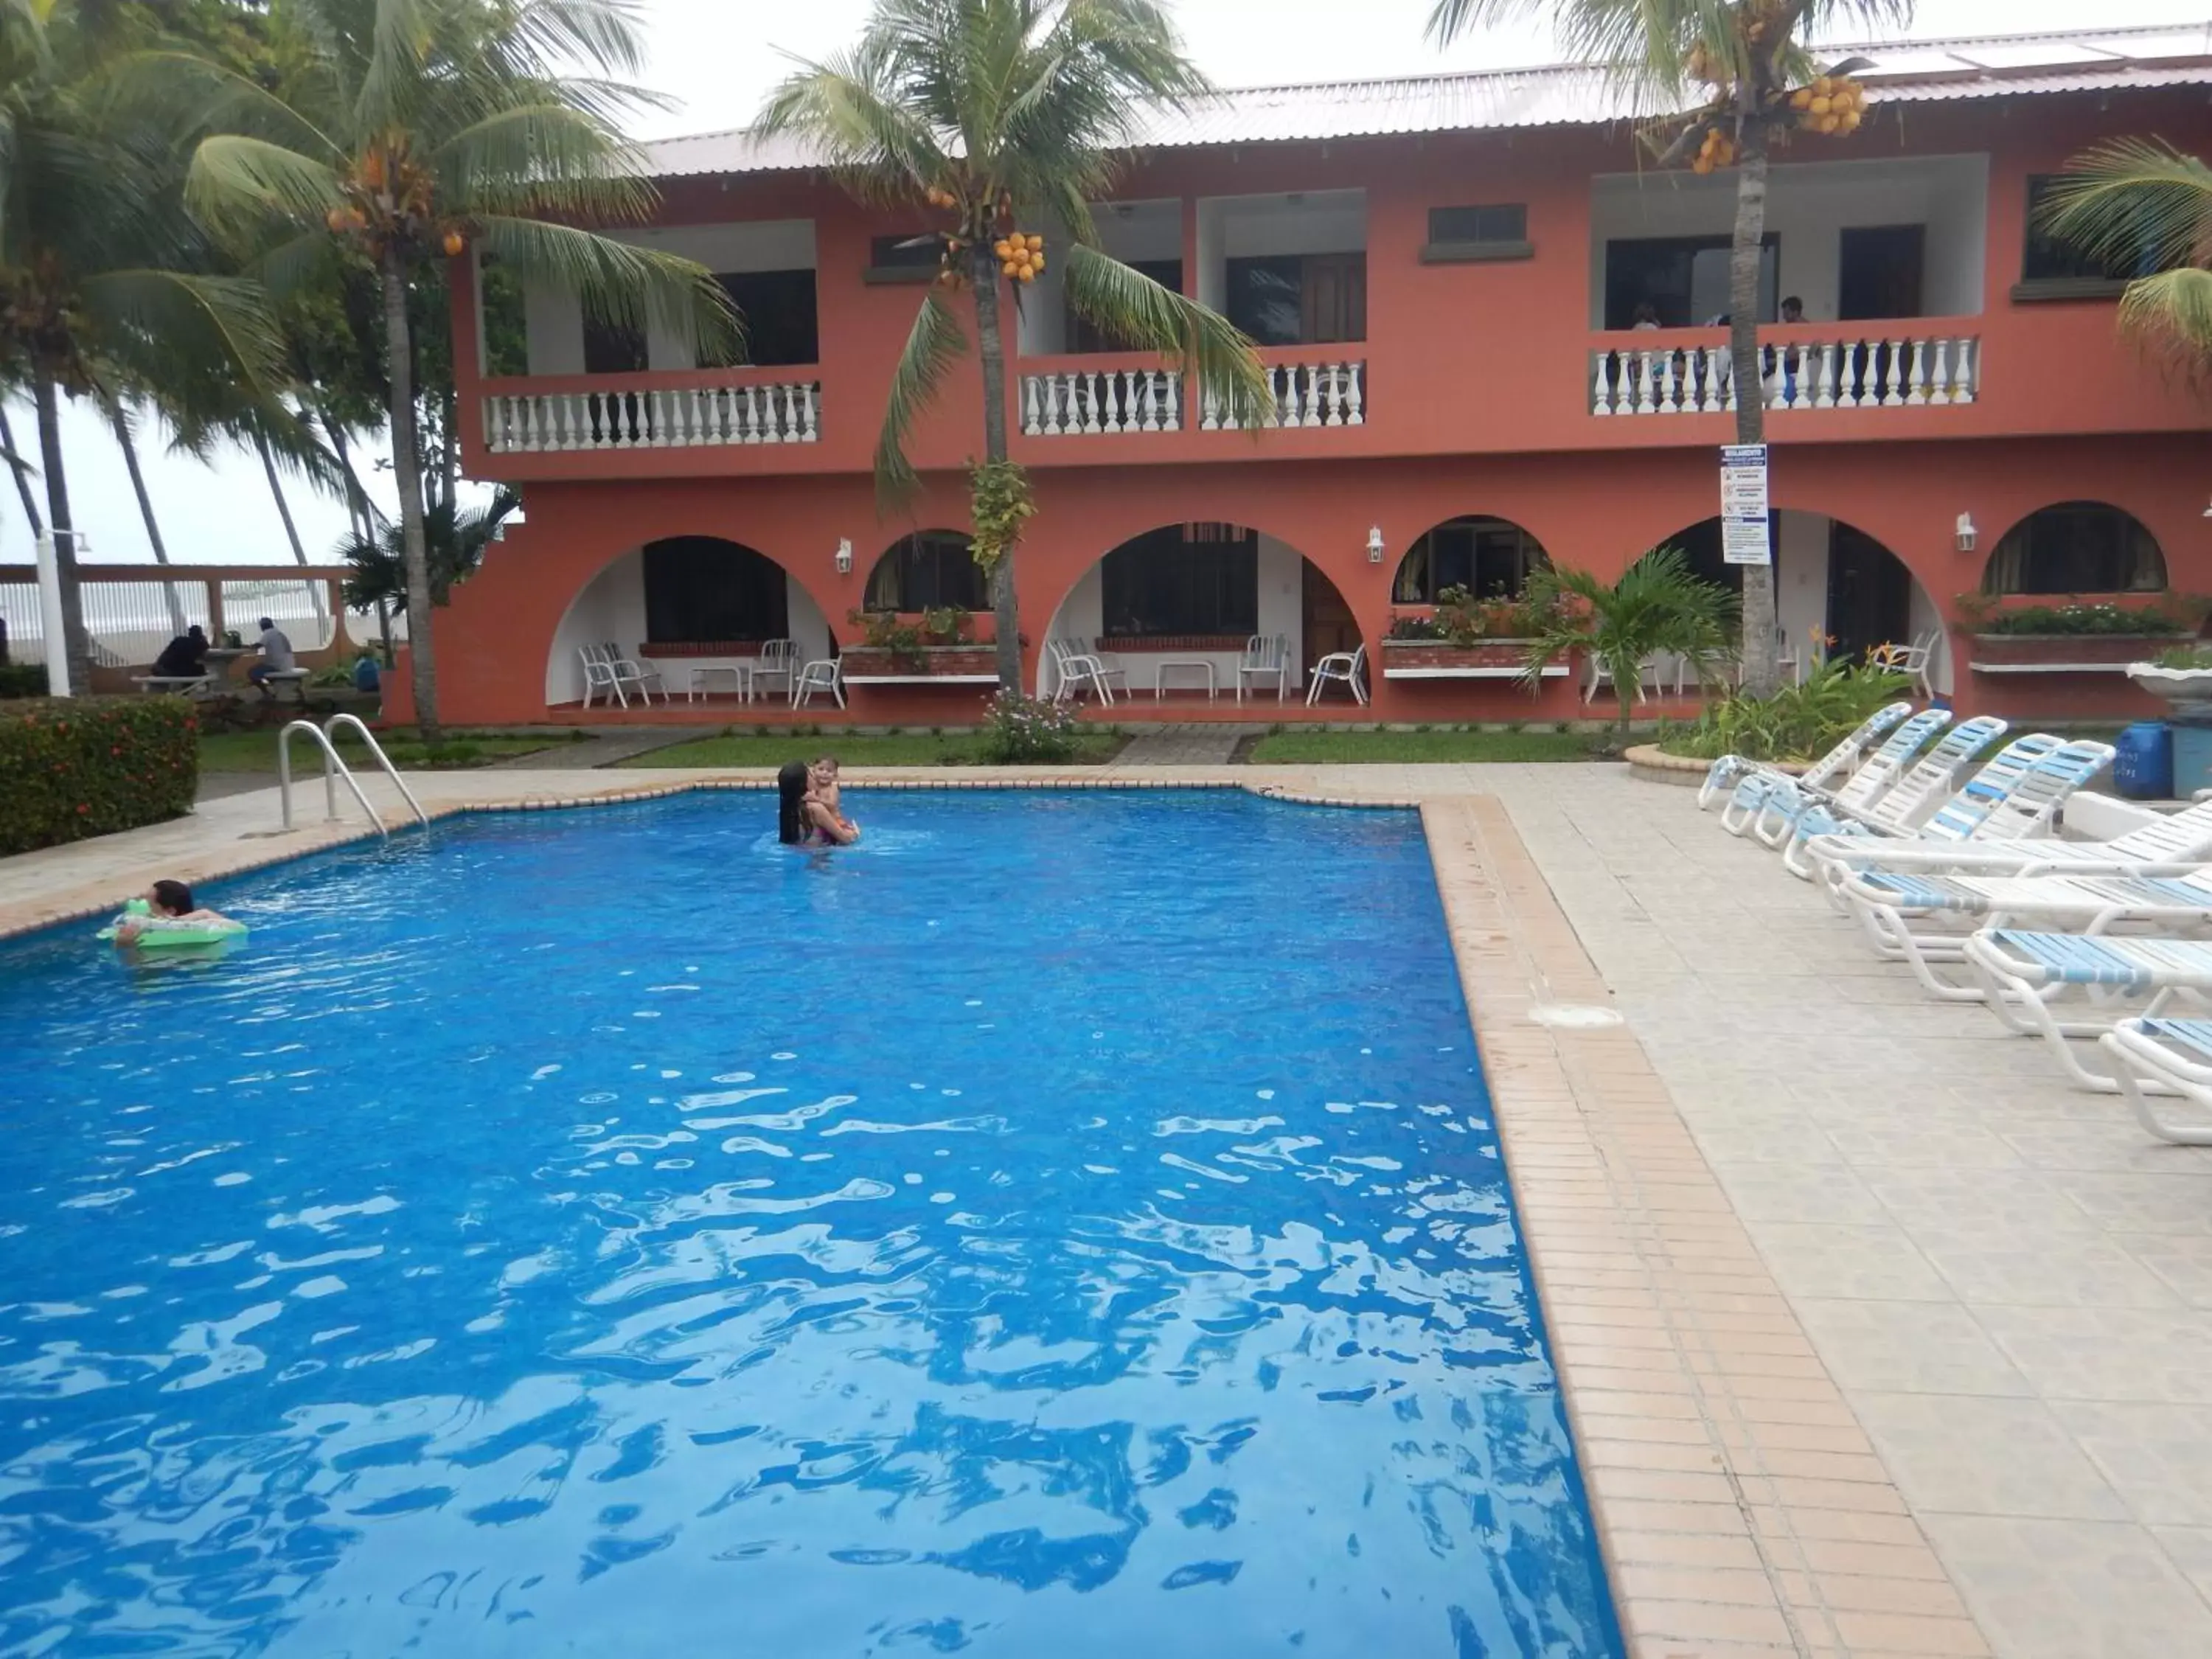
x=1741, y=1511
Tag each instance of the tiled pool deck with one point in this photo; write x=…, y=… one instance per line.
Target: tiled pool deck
x=1877, y=1339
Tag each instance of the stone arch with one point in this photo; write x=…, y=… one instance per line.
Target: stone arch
x=2077, y=547
x=1490, y=556
x=924, y=570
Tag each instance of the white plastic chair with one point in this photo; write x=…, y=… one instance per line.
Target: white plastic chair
x=1345, y=665
x=1073, y=669
x=779, y=660
x=603, y=671
x=1267, y=656
x=1913, y=659
x=824, y=674
x=632, y=672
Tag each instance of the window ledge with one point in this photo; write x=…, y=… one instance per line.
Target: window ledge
x=1472, y=254
x=2037, y=289
x=886, y=275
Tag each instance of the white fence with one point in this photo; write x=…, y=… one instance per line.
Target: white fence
x=131, y=622
x=1856, y=371
x=1066, y=403
x=787, y=412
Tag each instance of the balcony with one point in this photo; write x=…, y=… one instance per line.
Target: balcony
x=1092, y=394
x=1893, y=365
x=673, y=410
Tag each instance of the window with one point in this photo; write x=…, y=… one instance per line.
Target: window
x=1684, y=278
x=909, y=257
x=1184, y=579
x=2077, y=547
x=777, y=309
x=1499, y=232
x=928, y=570
x=2062, y=265
x=613, y=347
x=506, y=332
x=703, y=590
x=1490, y=558
x=1083, y=335
x=1299, y=299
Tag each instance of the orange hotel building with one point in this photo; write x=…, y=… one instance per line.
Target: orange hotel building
x=1442, y=273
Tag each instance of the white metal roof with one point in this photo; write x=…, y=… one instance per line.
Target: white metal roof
x=1993, y=66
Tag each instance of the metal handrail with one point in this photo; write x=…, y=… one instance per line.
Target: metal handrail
x=329, y=728
x=333, y=770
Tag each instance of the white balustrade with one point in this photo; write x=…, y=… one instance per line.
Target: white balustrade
x=1303, y=394
x=1871, y=371
x=781, y=412
x=1065, y=403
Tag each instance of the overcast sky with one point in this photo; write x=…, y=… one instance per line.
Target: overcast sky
x=719, y=57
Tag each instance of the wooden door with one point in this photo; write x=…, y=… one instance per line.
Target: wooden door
x=1333, y=298
x=1326, y=620
x=1878, y=272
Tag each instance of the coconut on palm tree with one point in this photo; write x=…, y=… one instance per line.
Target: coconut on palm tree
x=1759, y=82
x=405, y=132
x=1001, y=119
x=2142, y=209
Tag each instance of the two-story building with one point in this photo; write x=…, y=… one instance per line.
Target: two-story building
x=1445, y=276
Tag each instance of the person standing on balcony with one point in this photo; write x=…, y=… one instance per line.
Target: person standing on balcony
x=275, y=656
x=1793, y=311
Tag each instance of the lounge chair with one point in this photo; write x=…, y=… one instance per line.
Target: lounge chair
x=1900, y=810
x=2024, y=973
x=2170, y=845
x=1783, y=806
x=1727, y=773
x=2163, y=1056
x=1347, y=666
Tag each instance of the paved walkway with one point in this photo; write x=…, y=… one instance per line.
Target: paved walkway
x=1183, y=745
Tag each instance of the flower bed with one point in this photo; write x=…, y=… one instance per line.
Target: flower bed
x=2094, y=651
x=880, y=662
x=1489, y=655
x=91, y=766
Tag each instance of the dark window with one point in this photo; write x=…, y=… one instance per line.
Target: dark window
x=1684, y=278
x=1300, y=299
x=701, y=589
x=1507, y=222
x=506, y=332
x=928, y=570
x=910, y=250
x=1183, y=579
x=1878, y=271
x=1700, y=545
x=1489, y=557
x=777, y=309
x=1083, y=335
x=2077, y=547
x=613, y=347
x=2049, y=259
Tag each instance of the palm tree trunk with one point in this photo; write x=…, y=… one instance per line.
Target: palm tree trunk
x=1761, y=670
x=359, y=510
x=407, y=473
x=22, y=469
x=118, y=418
x=76, y=643
x=991, y=341
x=283, y=508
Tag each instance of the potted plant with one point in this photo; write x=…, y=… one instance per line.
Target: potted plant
x=933, y=645
x=2096, y=636
x=1463, y=634
x=2182, y=674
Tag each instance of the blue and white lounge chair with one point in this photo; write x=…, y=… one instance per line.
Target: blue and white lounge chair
x=1900, y=810
x=2024, y=973
x=1787, y=802
x=1724, y=774
x=2164, y=1057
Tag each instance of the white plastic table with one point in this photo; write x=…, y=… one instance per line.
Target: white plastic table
x=740, y=672
x=1189, y=665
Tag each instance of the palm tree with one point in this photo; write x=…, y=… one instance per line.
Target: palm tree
x=2140, y=207
x=406, y=129
x=1658, y=606
x=1749, y=53
x=975, y=108
x=455, y=537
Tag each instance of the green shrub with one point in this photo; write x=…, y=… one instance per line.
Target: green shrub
x=91, y=766
x=2169, y=614
x=1796, y=723
x=22, y=679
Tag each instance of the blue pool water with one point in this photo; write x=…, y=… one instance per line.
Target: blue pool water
x=1064, y=1226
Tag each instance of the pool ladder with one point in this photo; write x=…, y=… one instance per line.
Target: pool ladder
x=334, y=768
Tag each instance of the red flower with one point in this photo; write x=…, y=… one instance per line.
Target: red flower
x=82, y=807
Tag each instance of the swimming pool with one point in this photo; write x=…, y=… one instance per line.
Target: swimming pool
x=1067, y=1225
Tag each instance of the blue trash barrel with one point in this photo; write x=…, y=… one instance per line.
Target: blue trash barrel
x=2192, y=758
x=2143, y=768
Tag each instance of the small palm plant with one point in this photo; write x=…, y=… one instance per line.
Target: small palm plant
x=970, y=109
x=2140, y=205
x=1659, y=605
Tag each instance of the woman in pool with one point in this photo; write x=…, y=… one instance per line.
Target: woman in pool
x=802, y=819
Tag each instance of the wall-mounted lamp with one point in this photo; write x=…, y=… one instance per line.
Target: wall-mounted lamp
x=1965, y=532
x=1375, y=545
x=844, y=555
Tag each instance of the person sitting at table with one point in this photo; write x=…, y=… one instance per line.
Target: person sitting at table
x=185, y=657
x=275, y=657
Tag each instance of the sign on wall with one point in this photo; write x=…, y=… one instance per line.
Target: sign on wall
x=1743, y=505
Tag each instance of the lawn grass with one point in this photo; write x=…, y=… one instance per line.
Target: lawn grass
x=256, y=752
x=948, y=748
x=1310, y=747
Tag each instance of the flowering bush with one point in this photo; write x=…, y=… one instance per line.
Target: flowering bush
x=1466, y=621
x=91, y=766
x=1019, y=729
x=2170, y=613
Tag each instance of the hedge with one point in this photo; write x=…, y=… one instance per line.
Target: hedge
x=91, y=766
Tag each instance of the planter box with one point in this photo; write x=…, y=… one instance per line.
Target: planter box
x=2063, y=653
x=1486, y=659
x=953, y=664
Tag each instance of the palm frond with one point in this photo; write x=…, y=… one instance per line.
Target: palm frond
x=145, y=315
x=2172, y=310
x=1127, y=305
x=548, y=156
x=234, y=183
x=618, y=281
x=2131, y=200
x=884, y=150
x=932, y=345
